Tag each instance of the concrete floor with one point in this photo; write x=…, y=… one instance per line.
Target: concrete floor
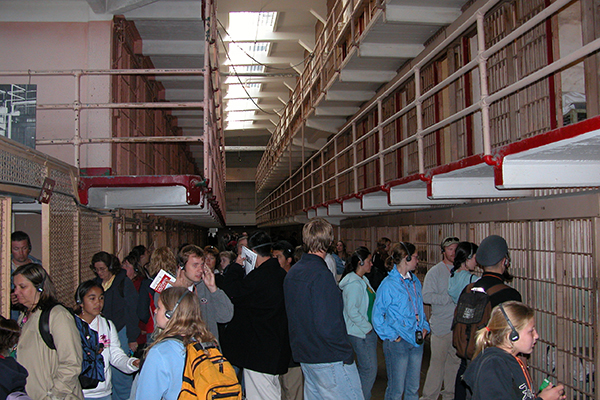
x=378, y=392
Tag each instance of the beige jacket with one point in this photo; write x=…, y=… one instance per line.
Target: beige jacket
x=53, y=374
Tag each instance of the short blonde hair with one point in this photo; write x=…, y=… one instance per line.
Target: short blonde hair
x=317, y=235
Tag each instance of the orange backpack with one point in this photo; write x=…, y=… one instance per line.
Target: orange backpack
x=207, y=375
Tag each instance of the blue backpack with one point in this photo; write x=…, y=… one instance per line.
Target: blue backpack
x=92, y=366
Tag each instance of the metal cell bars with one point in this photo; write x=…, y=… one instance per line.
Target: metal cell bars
x=554, y=272
x=60, y=226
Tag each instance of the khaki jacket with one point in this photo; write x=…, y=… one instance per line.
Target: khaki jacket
x=53, y=374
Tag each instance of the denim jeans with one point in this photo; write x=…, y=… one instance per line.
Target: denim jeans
x=331, y=381
x=121, y=382
x=403, y=363
x=366, y=360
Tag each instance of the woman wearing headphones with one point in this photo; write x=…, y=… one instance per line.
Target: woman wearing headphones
x=399, y=320
x=52, y=373
x=496, y=372
x=359, y=298
x=89, y=297
x=462, y=274
x=178, y=322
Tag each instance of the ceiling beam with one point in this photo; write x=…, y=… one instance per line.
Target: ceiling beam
x=278, y=36
x=262, y=59
x=168, y=10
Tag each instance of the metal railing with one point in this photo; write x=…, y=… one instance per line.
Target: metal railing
x=280, y=200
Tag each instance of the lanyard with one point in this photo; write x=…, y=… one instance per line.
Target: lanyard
x=414, y=304
x=525, y=372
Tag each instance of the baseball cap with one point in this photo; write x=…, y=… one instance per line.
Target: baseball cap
x=449, y=241
x=491, y=250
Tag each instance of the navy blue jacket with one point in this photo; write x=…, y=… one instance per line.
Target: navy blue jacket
x=315, y=307
x=120, y=305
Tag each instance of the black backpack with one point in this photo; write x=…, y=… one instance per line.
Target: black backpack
x=92, y=365
x=472, y=313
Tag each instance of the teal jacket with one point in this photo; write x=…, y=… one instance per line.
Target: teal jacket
x=356, y=304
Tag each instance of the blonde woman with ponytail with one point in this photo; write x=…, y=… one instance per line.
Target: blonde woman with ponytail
x=496, y=372
x=178, y=322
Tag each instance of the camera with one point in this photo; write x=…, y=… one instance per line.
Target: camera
x=419, y=337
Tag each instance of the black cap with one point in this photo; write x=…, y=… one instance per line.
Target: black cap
x=492, y=250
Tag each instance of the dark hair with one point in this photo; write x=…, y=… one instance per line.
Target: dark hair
x=9, y=334
x=187, y=251
x=138, y=251
x=464, y=251
x=382, y=243
x=360, y=254
x=286, y=249
x=260, y=242
x=82, y=290
x=17, y=236
x=38, y=276
x=134, y=261
x=112, y=262
x=298, y=251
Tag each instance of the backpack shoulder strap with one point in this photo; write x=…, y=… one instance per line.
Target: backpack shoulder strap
x=496, y=288
x=44, y=328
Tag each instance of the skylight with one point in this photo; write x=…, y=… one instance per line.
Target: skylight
x=236, y=91
x=249, y=24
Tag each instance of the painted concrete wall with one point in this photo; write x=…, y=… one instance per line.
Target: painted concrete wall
x=60, y=45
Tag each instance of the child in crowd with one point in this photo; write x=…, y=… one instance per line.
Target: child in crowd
x=179, y=323
x=13, y=374
x=90, y=301
x=496, y=371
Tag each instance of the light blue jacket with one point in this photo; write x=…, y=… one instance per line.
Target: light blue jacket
x=356, y=304
x=162, y=373
x=394, y=313
x=457, y=283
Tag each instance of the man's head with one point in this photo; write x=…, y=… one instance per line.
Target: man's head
x=284, y=252
x=20, y=247
x=317, y=235
x=260, y=243
x=242, y=241
x=493, y=254
x=448, y=246
x=191, y=263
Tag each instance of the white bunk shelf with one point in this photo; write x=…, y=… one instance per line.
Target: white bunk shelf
x=180, y=197
x=568, y=157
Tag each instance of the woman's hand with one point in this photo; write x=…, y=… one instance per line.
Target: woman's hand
x=552, y=392
x=133, y=346
x=136, y=363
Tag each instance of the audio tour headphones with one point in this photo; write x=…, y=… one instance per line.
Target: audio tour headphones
x=409, y=256
x=361, y=262
x=169, y=314
x=40, y=287
x=514, y=335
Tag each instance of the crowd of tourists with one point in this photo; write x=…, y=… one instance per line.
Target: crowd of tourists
x=295, y=322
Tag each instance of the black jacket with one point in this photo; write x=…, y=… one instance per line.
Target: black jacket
x=315, y=311
x=120, y=305
x=13, y=377
x=257, y=336
x=489, y=279
x=496, y=375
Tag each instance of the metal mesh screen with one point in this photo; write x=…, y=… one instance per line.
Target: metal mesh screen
x=5, y=269
x=63, y=245
x=90, y=241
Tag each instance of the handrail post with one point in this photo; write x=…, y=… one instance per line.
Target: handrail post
x=485, y=108
x=419, y=107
